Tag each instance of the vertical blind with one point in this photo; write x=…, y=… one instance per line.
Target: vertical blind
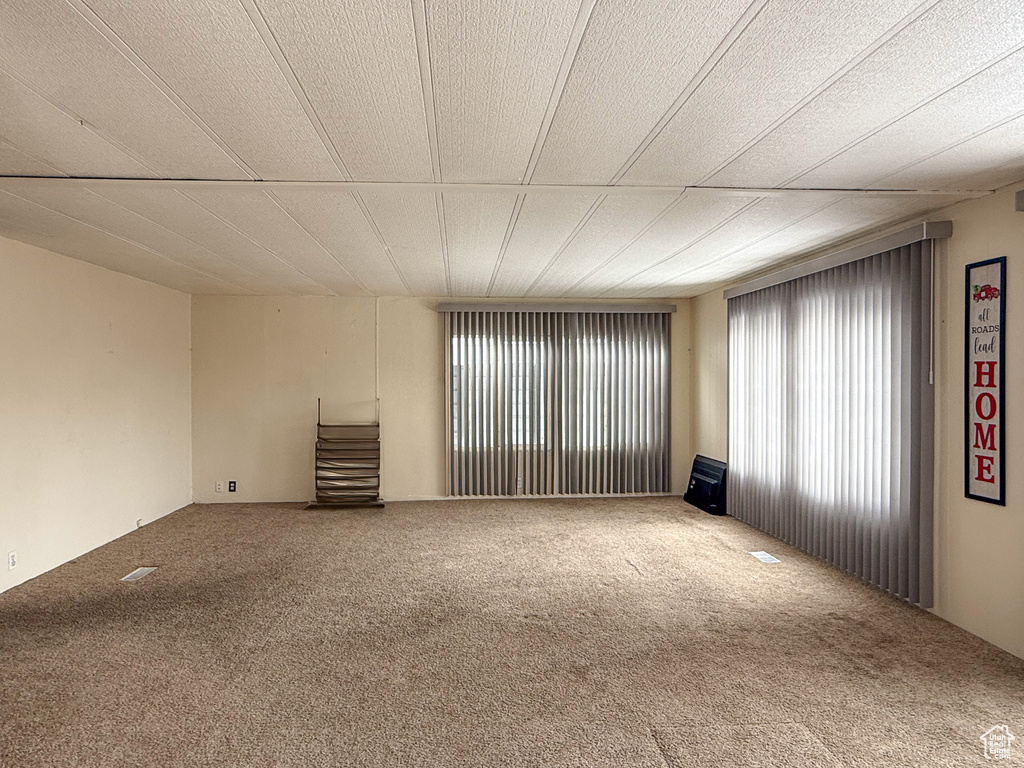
x=830, y=416
x=559, y=403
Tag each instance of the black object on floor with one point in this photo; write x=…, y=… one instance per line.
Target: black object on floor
x=706, y=489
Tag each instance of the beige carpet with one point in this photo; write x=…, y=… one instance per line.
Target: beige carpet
x=483, y=633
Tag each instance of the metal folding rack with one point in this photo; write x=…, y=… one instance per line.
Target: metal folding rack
x=347, y=464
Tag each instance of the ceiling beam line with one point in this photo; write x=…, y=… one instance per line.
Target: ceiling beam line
x=702, y=74
x=100, y=25
x=571, y=53
x=834, y=78
x=38, y=182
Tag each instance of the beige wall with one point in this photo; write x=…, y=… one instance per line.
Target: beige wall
x=94, y=407
x=710, y=373
x=258, y=366
x=682, y=395
x=412, y=399
x=260, y=363
x=979, y=547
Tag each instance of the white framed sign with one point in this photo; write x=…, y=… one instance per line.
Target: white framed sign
x=985, y=382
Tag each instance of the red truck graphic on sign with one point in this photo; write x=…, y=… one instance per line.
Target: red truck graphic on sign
x=984, y=292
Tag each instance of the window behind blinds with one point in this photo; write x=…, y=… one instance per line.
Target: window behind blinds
x=557, y=402
x=830, y=416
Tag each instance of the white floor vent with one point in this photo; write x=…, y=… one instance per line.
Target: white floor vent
x=764, y=557
x=138, y=573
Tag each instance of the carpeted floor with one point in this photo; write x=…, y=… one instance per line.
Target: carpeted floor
x=483, y=633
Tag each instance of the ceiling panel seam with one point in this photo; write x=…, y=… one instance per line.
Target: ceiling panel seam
x=442, y=228
x=569, y=57
x=131, y=242
x=516, y=209
x=504, y=189
x=744, y=21
x=665, y=212
x=912, y=17
x=284, y=209
x=179, y=234
x=149, y=73
x=957, y=143
x=755, y=241
x=255, y=242
x=131, y=154
x=380, y=238
x=567, y=242
x=31, y=156
x=421, y=32
x=266, y=34
x=702, y=236
x=907, y=113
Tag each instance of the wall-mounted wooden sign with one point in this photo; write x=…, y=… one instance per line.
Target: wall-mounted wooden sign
x=984, y=381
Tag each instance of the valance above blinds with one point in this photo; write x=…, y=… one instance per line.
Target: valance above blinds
x=570, y=307
x=928, y=230
x=830, y=416
x=557, y=402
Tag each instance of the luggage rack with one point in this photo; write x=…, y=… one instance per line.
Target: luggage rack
x=347, y=465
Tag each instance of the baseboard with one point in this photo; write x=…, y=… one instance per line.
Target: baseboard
x=532, y=498
x=396, y=499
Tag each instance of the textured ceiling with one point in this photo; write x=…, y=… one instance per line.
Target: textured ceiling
x=493, y=147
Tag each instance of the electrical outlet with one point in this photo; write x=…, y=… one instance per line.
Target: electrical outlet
x=12, y=560
x=220, y=486
x=232, y=486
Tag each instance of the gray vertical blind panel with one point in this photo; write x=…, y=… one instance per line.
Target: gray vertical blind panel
x=831, y=417
x=552, y=403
